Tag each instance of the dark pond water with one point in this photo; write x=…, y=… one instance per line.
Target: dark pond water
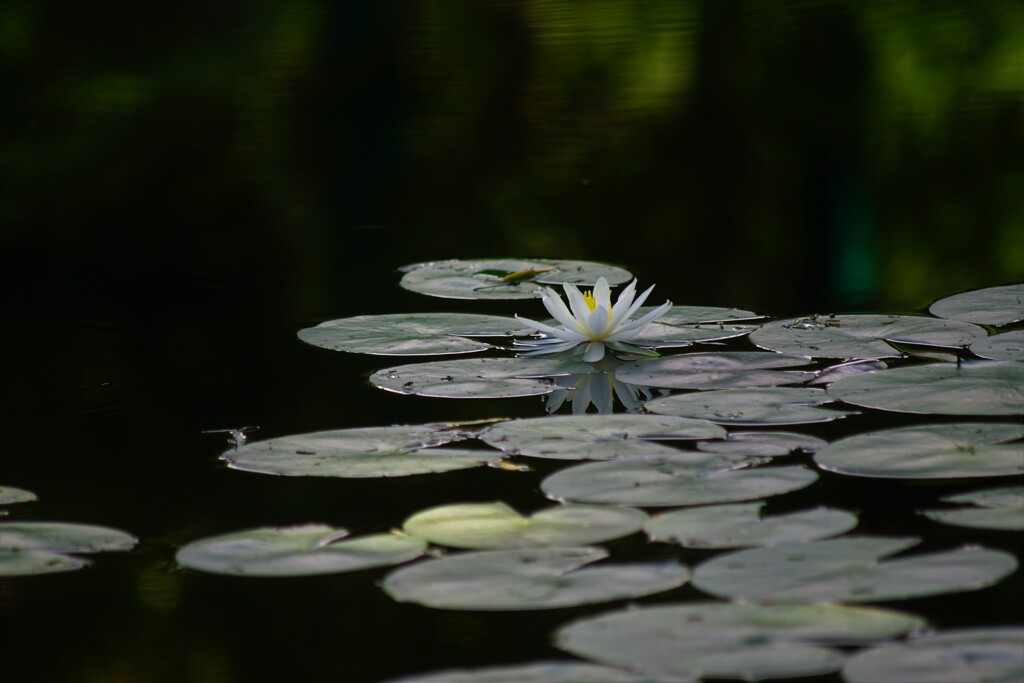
x=185, y=186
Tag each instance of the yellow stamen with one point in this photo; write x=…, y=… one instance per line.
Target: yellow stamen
x=588, y=296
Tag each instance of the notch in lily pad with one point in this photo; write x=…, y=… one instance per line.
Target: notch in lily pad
x=722, y=370
x=10, y=495
x=46, y=547
x=477, y=377
x=998, y=509
x=751, y=407
x=504, y=278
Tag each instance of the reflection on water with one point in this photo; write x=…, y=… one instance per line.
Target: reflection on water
x=599, y=389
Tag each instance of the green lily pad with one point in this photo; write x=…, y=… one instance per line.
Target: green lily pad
x=942, y=451
x=360, y=453
x=834, y=373
x=595, y=437
x=1005, y=346
x=715, y=640
x=764, y=444
x=537, y=672
x=477, y=377
x=737, y=526
x=1001, y=508
x=862, y=336
x=63, y=537
x=723, y=370
x=297, y=551
x=989, y=306
x=540, y=578
x=409, y=334
x=30, y=562
x=972, y=388
x=665, y=481
x=10, y=495
x=504, y=278
x=848, y=569
x=490, y=526
x=975, y=655
x=751, y=407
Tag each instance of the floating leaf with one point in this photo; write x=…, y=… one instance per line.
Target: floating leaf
x=487, y=526
x=715, y=640
x=29, y=562
x=361, y=452
x=750, y=407
x=834, y=373
x=477, y=377
x=296, y=551
x=764, y=444
x=504, y=278
x=989, y=306
x=10, y=495
x=723, y=370
x=848, y=569
x=542, y=578
x=409, y=334
x=862, y=336
x=595, y=437
x=1001, y=508
x=973, y=388
x=682, y=479
x=538, y=672
x=63, y=537
x=736, y=526
x=1005, y=346
x=684, y=325
x=943, y=451
x=976, y=655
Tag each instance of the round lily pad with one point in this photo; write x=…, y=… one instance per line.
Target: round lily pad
x=409, y=334
x=972, y=388
x=722, y=370
x=977, y=655
x=477, y=377
x=9, y=495
x=750, y=407
x=504, y=278
x=537, y=672
x=834, y=373
x=296, y=551
x=862, y=336
x=848, y=569
x=682, y=479
x=764, y=444
x=541, y=578
x=29, y=562
x=989, y=306
x=595, y=437
x=941, y=451
x=1001, y=508
x=486, y=526
x=362, y=452
x=737, y=526
x=63, y=537
x=1005, y=346
x=716, y=640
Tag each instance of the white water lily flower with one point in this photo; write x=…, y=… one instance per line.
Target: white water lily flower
x=591, y=319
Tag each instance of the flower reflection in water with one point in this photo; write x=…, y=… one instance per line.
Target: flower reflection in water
x=599, y=389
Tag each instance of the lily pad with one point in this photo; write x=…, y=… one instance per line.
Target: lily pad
x=409, y=334
x=764, y=444
x=541, y=578
x=477, y=377
x=723, y=370
x=942, y=451
x=684, y=325
x=63, y=537
x=989, y=306
x=537, y=672
x=848, y=569
x=737, y=526
x=834, y=373
x=682, y=479
x=360, y=453
x=30, y=562
x=487, y=526
x=10, y=495
x=504, y=278
x=1005, y=346
x=715, y=640
x=1001, y=508
x=972, y=388
x=595, y=437
x=297, y=551
x=862, y=336
x=975, y=655
x=751, y=407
